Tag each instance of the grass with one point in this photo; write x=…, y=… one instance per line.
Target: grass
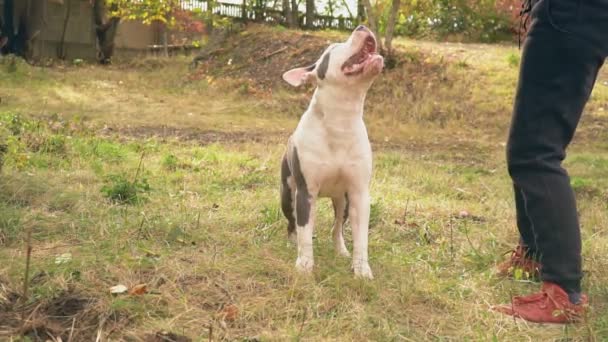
x=205, y=233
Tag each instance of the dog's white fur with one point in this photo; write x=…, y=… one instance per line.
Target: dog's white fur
x=333, y=149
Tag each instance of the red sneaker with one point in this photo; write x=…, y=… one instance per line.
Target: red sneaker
x=550, y=305
x=519, y=265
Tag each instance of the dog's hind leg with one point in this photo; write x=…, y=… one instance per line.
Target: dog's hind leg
x=341, y=214
x=287, y=197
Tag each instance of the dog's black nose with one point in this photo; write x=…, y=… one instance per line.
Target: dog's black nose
x=361, y=28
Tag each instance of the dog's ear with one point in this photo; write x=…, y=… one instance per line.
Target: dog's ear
x=298, y=76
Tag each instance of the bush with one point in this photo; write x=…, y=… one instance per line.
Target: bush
x=122, y=191
x=480, y=20
x=170, y=162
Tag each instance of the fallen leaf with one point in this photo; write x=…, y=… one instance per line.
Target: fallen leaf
x=63, y=258
x=230, y=312
x=118, y=289
x=138, y=290
x=151, y=254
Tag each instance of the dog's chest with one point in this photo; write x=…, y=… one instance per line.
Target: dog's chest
x=333, y=156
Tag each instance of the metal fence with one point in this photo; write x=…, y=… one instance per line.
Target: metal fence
x=261, y=13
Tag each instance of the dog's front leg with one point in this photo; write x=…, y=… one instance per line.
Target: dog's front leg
x=305, y=218
x=359, y=220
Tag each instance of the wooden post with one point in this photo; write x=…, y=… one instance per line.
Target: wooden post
x=209, y=16
x=287, y=18
x=310, y=13
x=360, y=11
x=244, y=15
x=61, y=52
x=295, y=13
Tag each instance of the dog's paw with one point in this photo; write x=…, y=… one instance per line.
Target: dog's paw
x=304, y=265
x=362, y=270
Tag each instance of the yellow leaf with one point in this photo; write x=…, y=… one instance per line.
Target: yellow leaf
x=138, y=290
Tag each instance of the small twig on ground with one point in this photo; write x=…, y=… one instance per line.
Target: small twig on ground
x=26, y=278
x=61, y=246
x=214, y=258
x=29, y=317
x=302, y=37
x=72, y=329
x=210, y=332
x=102, y=322
x=275, y=52
x=466, y=234
x=452, y=239
x=407, y=204
x=141, y=224
x=303, y=323
x=225, y=290
x=141, y=160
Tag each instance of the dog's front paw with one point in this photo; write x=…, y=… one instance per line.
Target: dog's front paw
x=362, y=270
x=304, y=265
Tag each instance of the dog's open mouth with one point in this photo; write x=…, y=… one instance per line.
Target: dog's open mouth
x=356, y=63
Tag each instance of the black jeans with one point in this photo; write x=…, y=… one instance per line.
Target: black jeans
x=563, y=52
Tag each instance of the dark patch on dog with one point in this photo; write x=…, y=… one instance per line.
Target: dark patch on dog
x=322, y=70
x=302, y=195
x=286, y=199
x=346, y=207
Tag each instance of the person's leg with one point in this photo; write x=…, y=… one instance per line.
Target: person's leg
x=523, y=260
x=556, y=78
x=526, y=235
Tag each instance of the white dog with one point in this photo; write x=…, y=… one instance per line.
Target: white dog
x=329, y=154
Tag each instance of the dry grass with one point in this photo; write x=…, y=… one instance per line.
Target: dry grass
x=208, y=238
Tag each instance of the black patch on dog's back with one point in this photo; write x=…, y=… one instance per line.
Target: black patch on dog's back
x=302, y=195
x=322, y=70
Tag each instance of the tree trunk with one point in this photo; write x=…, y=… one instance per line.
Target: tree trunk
x=310, y=13
x=295, y=13
x=105, y=30
x=8, y=31
x=165, y=41
x=61, y=53
x=210, y=5
x=390, y=28
x=287, y=13
x=23, y=20
x=373, y=23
